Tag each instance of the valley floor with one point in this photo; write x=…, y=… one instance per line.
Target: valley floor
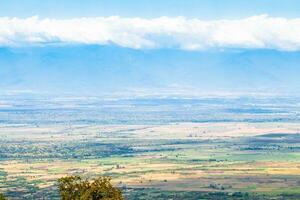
x=216, y=160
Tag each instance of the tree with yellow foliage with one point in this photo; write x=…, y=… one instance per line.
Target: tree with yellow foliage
x=76, y=188
x=2, y=197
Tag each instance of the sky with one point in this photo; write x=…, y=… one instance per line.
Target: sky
x=133, y=45
x=203, y=9
x=144, y=24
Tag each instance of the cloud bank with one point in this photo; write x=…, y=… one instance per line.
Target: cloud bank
x=256, y=32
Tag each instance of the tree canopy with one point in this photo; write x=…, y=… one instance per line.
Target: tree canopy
x=76, y=188
x=2, y=197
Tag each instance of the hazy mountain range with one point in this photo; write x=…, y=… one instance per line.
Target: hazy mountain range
x=98, y=70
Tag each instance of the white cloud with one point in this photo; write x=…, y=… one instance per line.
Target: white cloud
x=253, y=32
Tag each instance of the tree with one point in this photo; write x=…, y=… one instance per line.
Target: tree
x=2, y=197
x=75, y=188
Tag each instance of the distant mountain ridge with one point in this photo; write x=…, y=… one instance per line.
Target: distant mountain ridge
x=91, y=69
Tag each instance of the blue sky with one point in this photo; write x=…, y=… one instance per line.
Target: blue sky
x=204, y=9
